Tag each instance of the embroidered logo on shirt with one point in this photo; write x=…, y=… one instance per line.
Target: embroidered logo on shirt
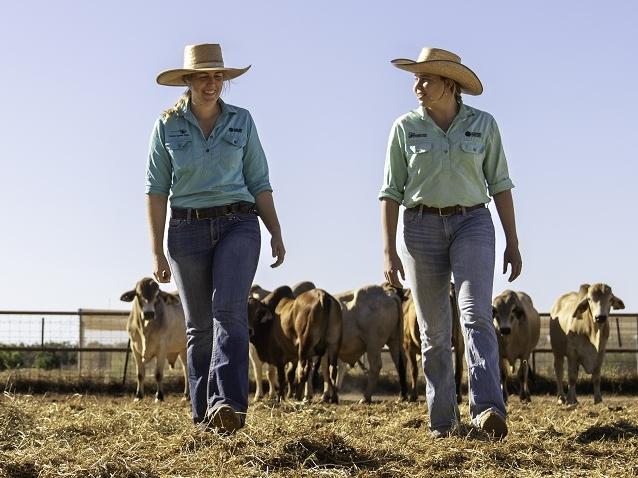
x=182, y=133
x=235, y=130
x=473, y=133
x=417, y=135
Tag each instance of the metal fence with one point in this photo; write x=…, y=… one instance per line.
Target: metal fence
x=90, y=343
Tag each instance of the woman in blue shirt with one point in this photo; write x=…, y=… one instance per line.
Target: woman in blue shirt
x=206, y=159
x=444, y=160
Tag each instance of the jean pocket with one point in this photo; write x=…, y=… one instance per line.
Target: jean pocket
x=175, y=223
x=409, y=216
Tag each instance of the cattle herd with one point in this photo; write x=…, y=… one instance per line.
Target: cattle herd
x=301, y=331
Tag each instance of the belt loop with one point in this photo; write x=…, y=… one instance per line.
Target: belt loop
x=188, y=215
x=420, y=211
x=463, y=210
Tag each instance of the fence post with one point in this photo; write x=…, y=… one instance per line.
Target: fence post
x=80, y=342
x=42, y=334
x=128, y=351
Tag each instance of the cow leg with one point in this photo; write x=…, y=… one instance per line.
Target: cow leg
x=524, y=394
x=343, y=371
x=330, y=370
x=374, y=358
x=414, y=375
x=160, y=361
x=572, y=377
x=272, y=381
x=290, y=379
x=182, y=358
x=598, y=397
x=257, y=372
x=303, y=380
x=503, y=365
x=559, y=369
x=281, y=376
x=398, y=357
x=141, y=371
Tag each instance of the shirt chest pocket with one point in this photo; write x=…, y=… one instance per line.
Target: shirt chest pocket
x=182, y=156
x=232, y=150
x=473, y=148
x=422, y=158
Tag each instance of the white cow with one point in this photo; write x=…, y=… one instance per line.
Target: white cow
x=372, y=317
x=157, y=330
x=578, y=330
x=518, y=328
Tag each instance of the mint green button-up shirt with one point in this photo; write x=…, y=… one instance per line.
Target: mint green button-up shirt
x=425, y=165
x=194, y=172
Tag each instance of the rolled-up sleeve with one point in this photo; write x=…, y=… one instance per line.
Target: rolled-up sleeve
x=158, y=167
x=495, y=164
x=255, y=166
x=395, y=172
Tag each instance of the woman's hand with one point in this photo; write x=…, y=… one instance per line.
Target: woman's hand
x=512, y=256
x=278, y=250
x=392, y=267
x=161, y=270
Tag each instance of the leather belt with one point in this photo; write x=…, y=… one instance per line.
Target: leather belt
x=446, y=211
x=212, y=212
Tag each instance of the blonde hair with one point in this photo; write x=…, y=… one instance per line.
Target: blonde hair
x=179, y=105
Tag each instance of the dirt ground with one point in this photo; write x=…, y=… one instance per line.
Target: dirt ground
x=111, y=436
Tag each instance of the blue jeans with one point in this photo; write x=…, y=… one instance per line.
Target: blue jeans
x=433, y=248
x=214, y=262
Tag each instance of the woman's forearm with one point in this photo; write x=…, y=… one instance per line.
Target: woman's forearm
x=389, y=219
x=156, y=218
x=505, y=208
x=266, y=210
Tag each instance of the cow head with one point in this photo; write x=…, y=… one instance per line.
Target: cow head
x=258, y=315
x=258, y=292
x=598, y=300
x=147, y=298
x=506, y=308
x=389, y=289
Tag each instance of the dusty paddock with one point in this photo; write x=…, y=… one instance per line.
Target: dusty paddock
x=88, y=436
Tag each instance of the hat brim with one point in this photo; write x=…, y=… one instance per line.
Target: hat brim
x=470, y=83
x=176, y=77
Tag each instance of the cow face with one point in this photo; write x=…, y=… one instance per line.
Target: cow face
x=258, y=315
x=146, y=298
x=599, y=301
x=506, y=309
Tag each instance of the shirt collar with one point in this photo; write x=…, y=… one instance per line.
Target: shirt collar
x=188, y=114
x=464, y=113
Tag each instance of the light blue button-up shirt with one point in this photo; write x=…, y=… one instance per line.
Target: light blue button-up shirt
x=436, y=168
x=195, y=172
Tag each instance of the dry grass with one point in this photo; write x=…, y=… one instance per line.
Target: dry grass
x=107, y=436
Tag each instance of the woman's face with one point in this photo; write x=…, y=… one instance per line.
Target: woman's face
x=205, y=87
x=429, y=89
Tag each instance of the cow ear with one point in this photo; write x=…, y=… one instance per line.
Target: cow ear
x=128, y=296
x=169, y=299
x=266, y=317
x=582, y=306
x=616, y=303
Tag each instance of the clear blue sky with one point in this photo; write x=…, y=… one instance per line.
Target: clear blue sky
x=79, y=100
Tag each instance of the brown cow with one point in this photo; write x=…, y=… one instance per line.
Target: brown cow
x=260, y=293
x=285, y=329
x=412, y=343
x=372, y=317
x=518, y=328
x=157, y=329
x=578, y=330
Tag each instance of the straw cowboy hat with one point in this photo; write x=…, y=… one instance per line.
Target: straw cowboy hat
x=199, y=58
x=443, y=63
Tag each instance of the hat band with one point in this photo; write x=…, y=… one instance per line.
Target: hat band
x=210, y=64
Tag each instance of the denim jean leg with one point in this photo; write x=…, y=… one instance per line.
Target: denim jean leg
x=427, y=266
x=472, y=255
x=234, y=266
x=190, y=252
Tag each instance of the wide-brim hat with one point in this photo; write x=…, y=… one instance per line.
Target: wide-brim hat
x=443, y=63
x=199, y=58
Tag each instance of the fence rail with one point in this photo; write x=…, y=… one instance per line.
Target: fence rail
x=100, y=343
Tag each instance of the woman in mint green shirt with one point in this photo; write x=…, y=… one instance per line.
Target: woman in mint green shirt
x=206, y=159
x=444, y=161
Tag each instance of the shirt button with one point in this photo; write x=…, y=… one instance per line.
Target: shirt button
x=208, y=150
x=445, y=151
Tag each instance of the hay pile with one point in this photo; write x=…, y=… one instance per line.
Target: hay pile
x=107, y=436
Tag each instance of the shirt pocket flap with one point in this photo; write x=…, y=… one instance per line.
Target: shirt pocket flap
x=238, y=140
x=422, y=147
x=177, y=145
x=474, y=147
